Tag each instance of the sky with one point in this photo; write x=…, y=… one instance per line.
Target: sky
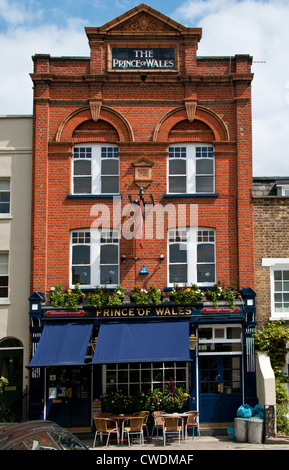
x=259, y=28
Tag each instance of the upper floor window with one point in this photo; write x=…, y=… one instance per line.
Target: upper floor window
x=95, y=169
x=95, y=257
x=4, y=275
x=191, y=256
x=191, y=168
x=279, y=280
x=5, y=196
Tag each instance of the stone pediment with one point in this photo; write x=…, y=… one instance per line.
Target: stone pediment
x=142, y=20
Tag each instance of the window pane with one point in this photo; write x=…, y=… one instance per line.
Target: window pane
x=109, y=184
x=81, y=254
x=109, y=274
x=277, y=275
x=178, y=253
x=177, y=273
x=4, y=263
x=109, y=167
x=82, y=167
x=177, y=184
x=204, y=166
x=206, y=273
x=177, y=167
x=204, y=184
x=82, y=185
x=205, y=253
x=109, y=254
x=81, y=275
x=286, y=275
x=4, y=185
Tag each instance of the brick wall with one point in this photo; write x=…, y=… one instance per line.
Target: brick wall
x=271, y=224
x=143, y=118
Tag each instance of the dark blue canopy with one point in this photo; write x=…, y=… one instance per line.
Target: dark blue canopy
x=62, y=344
x=153, y=341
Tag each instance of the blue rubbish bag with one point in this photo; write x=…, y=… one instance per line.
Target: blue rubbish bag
x=245, y=411
x=258, y=412
x=231, y=432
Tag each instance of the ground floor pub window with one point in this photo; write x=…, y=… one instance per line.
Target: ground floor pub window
x=133, y=377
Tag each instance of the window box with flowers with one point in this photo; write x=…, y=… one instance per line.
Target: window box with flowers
x=105, y=296
x=143, y=296
x=69, y=299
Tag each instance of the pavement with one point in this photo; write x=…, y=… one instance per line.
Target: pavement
x=203, y=443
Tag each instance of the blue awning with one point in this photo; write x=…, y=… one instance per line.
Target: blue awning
x=142, y=342
x=62, y=344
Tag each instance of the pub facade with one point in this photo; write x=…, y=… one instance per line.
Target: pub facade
x=142, y=240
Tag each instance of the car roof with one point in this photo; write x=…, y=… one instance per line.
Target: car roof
x=10, y=432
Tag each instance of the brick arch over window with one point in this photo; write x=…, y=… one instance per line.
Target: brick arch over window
x=205, y=115
x=77, y=117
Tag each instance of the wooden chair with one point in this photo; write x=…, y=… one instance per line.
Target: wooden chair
x=158, y=421
x=171, y=426
x=192, y=422
x=135, y=426
x=102, y=426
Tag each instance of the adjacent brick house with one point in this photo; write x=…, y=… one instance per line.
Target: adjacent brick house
x=144, y=126
x=271, y=210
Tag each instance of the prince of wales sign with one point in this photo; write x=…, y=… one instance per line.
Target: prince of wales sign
x=146, y=59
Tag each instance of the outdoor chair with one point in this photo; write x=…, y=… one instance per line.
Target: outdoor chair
x=103, y=426
x=192, y=422
x=171, y=426
x=135, y=426
x=144, y=415
x=158, y=421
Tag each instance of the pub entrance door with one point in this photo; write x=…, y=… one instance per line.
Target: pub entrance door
x=220, y=389
x=68, y=396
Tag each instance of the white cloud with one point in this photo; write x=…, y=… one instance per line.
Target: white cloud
x=17, y=48
x=259, y=28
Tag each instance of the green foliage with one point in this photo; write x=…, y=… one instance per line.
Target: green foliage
x=3, y=383
x=188, y=295
x=69, y=299
x=144, y=296
x=227, y=294
x=102, y=297
x=272, y=339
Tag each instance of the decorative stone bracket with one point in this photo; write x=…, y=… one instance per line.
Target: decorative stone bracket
x=191, y=107
x=95, y=107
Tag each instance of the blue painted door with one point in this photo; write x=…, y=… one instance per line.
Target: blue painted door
x=220, y=379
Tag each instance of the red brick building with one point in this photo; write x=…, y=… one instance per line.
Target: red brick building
x=142, y=174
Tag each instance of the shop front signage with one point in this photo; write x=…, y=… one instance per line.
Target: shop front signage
x=55, y=313
x=131, y=58
x=146, y=311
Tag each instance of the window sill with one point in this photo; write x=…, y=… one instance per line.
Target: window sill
x=191, y=195
x=91, y=196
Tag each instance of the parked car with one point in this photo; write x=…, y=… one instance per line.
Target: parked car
x=37, y=435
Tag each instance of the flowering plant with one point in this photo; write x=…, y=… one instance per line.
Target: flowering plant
x=3, y=383
x=106, y=297
x=143, y=296
x=170, y=398
x=228, y=294
x=188, y=295
x=69, y=299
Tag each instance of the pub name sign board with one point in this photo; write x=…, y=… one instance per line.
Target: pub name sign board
x=131, y=58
